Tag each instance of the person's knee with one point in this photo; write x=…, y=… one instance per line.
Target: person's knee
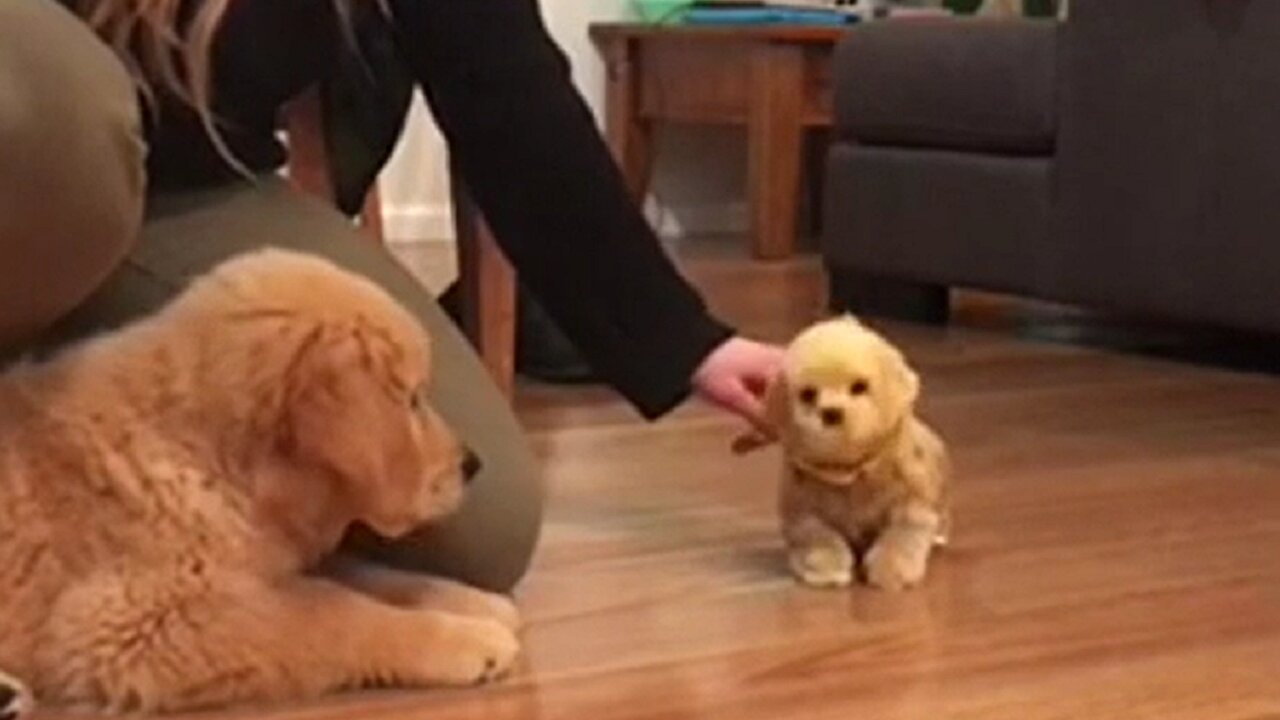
x=512, y=530
x=72, y=179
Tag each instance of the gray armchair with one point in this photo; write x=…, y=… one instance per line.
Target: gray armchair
x=1126, y=159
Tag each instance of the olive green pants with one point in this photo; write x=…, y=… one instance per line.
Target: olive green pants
x=83, y=250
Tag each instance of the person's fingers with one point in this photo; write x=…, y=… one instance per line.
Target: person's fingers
x=736, y=377
x=758, y=384
x=745, y=403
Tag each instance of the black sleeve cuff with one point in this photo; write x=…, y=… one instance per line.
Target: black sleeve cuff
x=656, y=386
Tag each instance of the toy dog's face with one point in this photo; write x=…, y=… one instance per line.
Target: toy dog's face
x=843, y=391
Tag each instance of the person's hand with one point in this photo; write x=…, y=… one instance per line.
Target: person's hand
x=735, y=375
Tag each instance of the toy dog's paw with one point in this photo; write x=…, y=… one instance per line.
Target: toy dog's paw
x=14, y=700
x=824, y=566
x=894, y=570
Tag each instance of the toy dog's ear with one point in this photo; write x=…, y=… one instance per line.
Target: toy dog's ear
x=749, y=442
x=902, y=383
x=777, y=413
x=777, y=403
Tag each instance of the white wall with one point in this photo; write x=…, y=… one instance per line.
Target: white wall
x=700, y=174
x=414, y=185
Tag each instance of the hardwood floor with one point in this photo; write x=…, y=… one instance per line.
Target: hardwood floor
x=1117, y=550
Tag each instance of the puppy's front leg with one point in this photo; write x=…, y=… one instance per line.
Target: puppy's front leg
x=818, y=555
x=415, y=590
x=143, y=644
x=900, y=556
x=380, y=644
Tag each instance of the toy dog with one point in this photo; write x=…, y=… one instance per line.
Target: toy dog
x=864, y=478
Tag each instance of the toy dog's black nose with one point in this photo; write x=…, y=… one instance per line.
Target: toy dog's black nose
x=471, y=465
x=832, y=417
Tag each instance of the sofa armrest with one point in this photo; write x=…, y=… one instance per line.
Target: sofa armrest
x=959, y=83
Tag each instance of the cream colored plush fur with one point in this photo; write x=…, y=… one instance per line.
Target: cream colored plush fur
x=171, y=495
x=864, y=479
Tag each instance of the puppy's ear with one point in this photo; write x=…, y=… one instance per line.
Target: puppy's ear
x=336, y=415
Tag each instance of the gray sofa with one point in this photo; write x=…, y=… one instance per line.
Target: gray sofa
x=1127, y=159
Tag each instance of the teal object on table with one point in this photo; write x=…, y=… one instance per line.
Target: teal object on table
x=661, y=12
x=766, y=16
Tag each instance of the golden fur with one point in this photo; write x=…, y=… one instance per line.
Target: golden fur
x=171, y=496
x=864, y=478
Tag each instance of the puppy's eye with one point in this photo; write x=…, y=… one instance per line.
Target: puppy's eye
x=809, y=396
x=416, y=399
x=859, y=387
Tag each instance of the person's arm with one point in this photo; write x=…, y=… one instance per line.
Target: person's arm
x=531, y=154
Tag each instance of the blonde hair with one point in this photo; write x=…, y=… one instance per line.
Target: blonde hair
x=165, y=50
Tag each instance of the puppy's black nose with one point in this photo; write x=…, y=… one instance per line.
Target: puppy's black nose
x=471, y=465
x=832, y=417
x=8, y=701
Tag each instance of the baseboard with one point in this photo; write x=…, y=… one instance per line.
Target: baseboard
x=679, y=221
x=418, y=223
x=434, y=223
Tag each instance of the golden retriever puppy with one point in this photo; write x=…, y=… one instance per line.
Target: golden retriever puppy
x=864, y=478
x=171, y=495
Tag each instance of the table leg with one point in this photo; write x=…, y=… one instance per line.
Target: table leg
x=775, y=141
x=630, y=136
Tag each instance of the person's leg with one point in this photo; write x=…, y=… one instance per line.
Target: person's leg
x=490, y=542
x=71, y=165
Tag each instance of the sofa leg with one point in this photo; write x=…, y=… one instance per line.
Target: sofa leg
x=863, y=294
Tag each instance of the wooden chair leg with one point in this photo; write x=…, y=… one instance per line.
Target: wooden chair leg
x=308, y=164
x=487, y=291
x=308, y=168
x=371, y=215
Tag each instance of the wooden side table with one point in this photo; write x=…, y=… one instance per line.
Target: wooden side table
x=775, y=80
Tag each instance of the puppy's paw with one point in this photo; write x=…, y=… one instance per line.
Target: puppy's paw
x=469, y=602
x=479, y=652
x=15, y=702
x=502, y=610
x=888, y=568
x=823, y=566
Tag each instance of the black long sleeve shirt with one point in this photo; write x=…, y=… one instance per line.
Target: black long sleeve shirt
x=524, y=141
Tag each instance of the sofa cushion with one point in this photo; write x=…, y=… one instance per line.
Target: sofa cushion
x=949, y=83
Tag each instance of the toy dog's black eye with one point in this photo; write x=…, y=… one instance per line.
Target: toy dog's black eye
x=808, y=396
x=859, y=387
